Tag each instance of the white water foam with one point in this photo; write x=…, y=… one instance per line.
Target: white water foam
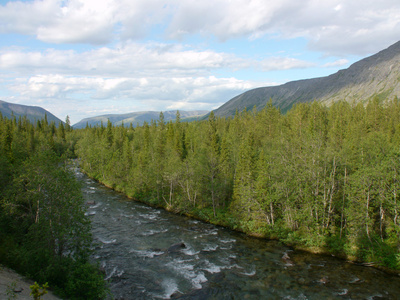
x=228, y=247
x=170, y=287
x=228, y=241
x=211, y=268
x=104, y=241
x=95, y=206
x=210, y=248
x=127, y=216
x=301, y=297
x=211, y=232
x=188, y=272
x=343, y=292
x=115, y=273
x=190, y=251
x=355, y=280
x=151, y=216
x=250, y=273
x=153, y=232
x=111, y=274
x=147, y=253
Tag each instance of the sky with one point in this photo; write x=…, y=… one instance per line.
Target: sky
x=85, y=58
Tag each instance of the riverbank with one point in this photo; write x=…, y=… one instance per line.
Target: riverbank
x=225, y=219
x=15, y=286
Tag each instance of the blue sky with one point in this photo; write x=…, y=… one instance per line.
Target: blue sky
x=85, y=58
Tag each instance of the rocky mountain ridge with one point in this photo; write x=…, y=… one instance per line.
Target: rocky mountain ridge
x=375, y=76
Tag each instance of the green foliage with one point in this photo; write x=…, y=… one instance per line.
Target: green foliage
x=325, y=177
x=38, y=291
x=10, y=291
x=85, y=282
x=43, y=230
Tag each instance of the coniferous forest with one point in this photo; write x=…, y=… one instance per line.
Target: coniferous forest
x=322, y=178
x=44, y=233
x=318, y=177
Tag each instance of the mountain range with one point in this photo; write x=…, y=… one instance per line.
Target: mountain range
x=139, y=117
x=375, y=76
x=33, y=113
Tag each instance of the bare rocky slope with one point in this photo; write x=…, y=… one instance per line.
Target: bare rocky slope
x=15, y=286
x=375, y=76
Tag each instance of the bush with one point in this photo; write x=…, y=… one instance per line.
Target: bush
x=85, y=281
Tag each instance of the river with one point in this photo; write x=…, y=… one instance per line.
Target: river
x=210, y=262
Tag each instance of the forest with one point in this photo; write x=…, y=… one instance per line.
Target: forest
x=321, y=178
x=44, y=233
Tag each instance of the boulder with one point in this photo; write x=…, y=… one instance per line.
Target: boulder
x=176, y=247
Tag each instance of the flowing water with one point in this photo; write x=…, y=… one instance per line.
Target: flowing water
x=133, y=246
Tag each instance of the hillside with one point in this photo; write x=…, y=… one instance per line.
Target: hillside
x=33, y=113
x=138, y=118
x=377, y=75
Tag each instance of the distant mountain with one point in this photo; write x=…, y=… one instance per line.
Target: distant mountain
x=138, y=118
x=374, y=76
x=33, y=113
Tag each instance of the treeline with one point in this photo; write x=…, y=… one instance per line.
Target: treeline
x=44, y=233
x=323, y=177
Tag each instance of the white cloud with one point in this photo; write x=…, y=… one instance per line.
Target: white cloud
x=27, y=17
x=336, y=63
x=156, y=92
x=77, y=21
x=127, y=69
x=284, y=63
x=149, y=75
x=334, y=27
x=133, y=60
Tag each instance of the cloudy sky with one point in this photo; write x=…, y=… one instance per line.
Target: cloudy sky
x=85, y=58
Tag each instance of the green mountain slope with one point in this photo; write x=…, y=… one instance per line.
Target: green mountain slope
x=377, y=75
x=33, y=113
x=139, y=117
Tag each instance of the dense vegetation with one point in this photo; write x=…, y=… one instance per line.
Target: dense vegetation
x=44, y=233
x=316, y=177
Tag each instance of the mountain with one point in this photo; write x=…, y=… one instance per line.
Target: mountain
x=139, y=117
x=33, y=113
x=374, y=76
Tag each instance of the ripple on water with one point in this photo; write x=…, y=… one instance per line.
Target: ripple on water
x=114, y=273
x=95, y=206
x=227, y=241
x=147, y=253
x=189, y=272
x=153, y=232
x=190, y=251
x=170, y=288
x=104, y=241
x=151, y=216
x=236, y=266
x=249, y=273
x=210, y=248
x=211, y=267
